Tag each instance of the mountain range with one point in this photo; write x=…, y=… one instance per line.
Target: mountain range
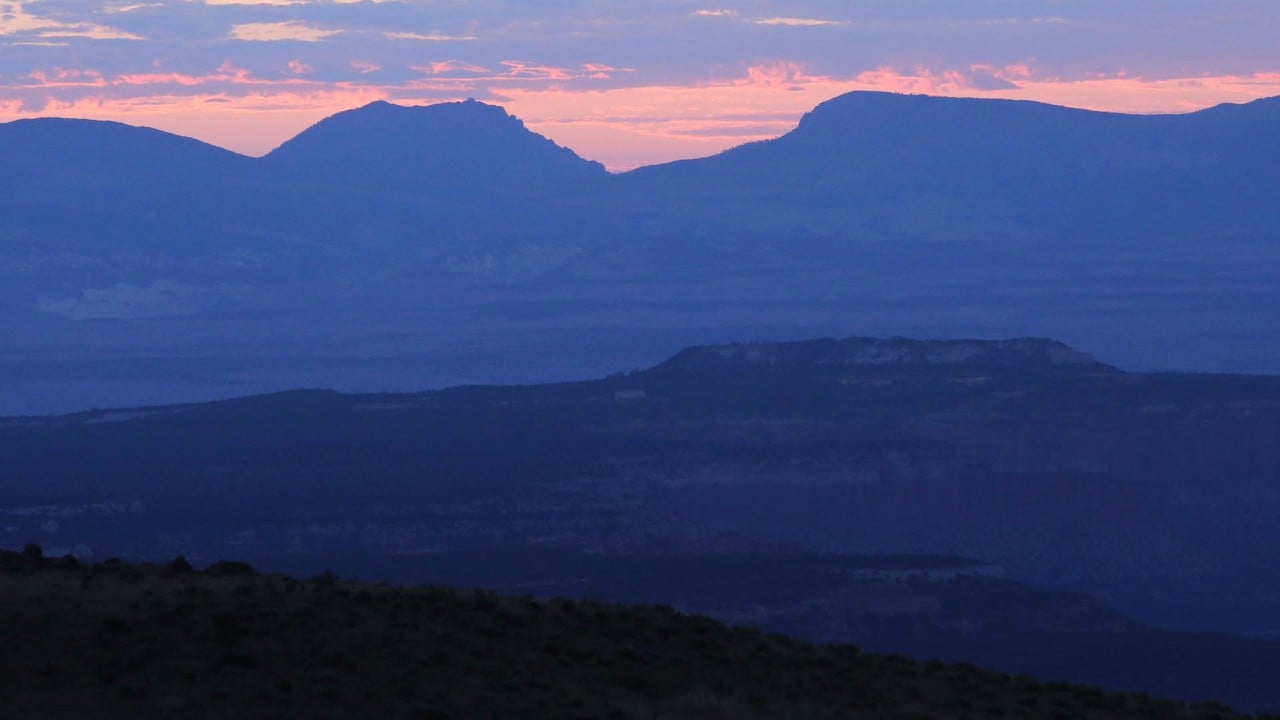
x=394, y=248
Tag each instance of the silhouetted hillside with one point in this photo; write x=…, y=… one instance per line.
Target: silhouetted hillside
x=92, y=154
x=118, y=641
x=926, y=607
x=1017, y=168
x=462, y=143
x=82, y=201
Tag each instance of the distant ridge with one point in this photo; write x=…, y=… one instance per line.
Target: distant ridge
x=471, y=142
x=861, y=117
x=453, y=237
x=1032, y=168
x=69, y=151
x=1035, y=354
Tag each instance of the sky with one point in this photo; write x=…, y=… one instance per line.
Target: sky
x=625, y=82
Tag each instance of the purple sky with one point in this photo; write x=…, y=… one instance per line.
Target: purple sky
x=626, y=83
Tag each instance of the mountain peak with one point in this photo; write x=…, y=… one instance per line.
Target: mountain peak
x=470, y=108
x=467, y=141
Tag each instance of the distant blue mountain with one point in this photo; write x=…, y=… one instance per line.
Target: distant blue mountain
x=100, y=152
x=451, y=244
x=78, y=195
x=1005, y=167
x=449, y=143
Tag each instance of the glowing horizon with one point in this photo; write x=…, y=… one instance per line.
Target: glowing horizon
x=627, y=86
x=259, y=124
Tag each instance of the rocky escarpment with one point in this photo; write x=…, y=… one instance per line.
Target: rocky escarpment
x=461, y=143
x=896, y=354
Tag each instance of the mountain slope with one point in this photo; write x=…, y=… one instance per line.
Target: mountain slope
x=77, y=197
x=462, y=143
x=422, y=247
x=115, y=641
x=79, y=155
x=1030, y=165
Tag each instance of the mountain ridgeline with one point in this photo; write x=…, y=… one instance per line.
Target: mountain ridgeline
x=468, y=143
x=1061, y=171
x=820, y=358
x=425, y=246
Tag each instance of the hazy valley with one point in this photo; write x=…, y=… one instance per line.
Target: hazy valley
x=1153, y=493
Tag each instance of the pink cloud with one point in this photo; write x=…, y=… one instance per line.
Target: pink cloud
x=428, y=37
x=623, y=125
x=467, y=75
x=16, y=20
x=286, y=31
x=677, y=121
x=600, y=71
x=162, y=79
x=1011, y=72
x=60, y=77
x=449, y=67
x=534, y=71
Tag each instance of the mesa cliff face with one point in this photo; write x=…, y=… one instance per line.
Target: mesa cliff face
x=1035, y=354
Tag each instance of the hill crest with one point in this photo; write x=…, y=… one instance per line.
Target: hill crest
x=1037, y=354
x=143, y=641
x=48, y=147
x=455, y=141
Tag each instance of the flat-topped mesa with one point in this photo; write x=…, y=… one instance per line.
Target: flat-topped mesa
x=890, y=354
x=886, y=111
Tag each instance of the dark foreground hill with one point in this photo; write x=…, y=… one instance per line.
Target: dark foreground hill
x=925, y=607
x=118, y=641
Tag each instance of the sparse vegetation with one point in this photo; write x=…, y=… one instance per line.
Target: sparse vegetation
x=112, y=640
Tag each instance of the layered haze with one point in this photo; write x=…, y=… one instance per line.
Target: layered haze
x=949, y=329
x=391, y=248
